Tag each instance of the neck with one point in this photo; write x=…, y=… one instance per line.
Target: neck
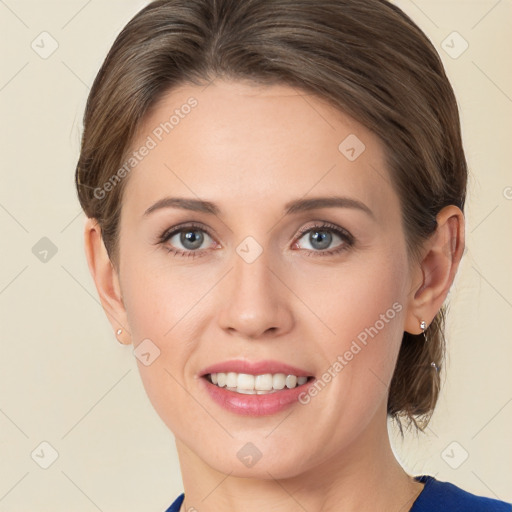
x=362, y=477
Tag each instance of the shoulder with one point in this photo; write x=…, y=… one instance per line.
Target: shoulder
x=175, y=507
x=438, y=496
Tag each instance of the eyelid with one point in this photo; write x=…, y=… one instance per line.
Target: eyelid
x=168, y=233
x=327, y=226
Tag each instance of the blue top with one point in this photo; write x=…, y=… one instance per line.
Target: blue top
x=436, y=496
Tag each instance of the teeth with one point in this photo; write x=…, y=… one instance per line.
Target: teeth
x=263, y=382
x=231, y=379
x=243, y=381
x=279, y=381
x=221, y=380
x=256, y=384
x=291, y=381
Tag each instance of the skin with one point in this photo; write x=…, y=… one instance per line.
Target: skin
x=251, y=149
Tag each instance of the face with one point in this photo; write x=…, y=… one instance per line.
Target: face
x=265, y=278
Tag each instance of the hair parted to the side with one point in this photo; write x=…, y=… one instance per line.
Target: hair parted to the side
x=365, y=57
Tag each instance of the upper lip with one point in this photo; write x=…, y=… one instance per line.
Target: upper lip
x=254, y=368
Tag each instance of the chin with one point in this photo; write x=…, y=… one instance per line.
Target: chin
x=246, y=460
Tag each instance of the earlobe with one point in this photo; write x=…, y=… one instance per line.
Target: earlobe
x=443, y=252
x=105, y=276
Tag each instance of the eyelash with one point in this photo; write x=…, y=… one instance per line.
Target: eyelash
x=347, y=238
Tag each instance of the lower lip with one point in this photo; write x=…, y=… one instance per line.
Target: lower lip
x=255, y=405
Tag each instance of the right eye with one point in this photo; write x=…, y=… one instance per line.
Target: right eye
x=191, y=237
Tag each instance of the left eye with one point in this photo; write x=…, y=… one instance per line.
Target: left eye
x=321, y=238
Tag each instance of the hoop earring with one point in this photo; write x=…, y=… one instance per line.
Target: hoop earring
x=423, y=326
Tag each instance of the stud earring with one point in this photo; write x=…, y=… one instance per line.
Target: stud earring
x=118, y=333
x=423, y=325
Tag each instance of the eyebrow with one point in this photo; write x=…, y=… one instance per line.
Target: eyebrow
x=295, y=206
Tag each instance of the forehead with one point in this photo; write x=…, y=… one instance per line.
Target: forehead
x=238, y=143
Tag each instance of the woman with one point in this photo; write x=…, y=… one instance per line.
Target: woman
x=275, y=195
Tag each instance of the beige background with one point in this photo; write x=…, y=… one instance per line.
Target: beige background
x=66, y=381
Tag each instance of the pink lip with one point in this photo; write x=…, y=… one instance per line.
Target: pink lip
x=254, y=405
x=254, y=368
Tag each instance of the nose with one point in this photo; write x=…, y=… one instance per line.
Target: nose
x=255, y=302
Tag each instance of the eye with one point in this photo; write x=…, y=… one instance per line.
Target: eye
x=185, y=240
x=321, y=236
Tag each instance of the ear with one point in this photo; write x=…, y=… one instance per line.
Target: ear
x=434, y=276
x=106, y=279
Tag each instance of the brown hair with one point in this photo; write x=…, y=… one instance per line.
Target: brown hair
x=365, y=57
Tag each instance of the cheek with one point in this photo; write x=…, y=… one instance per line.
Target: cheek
x=358, y=299
x=166, y=302
x=353, y=295
x=360, y=307
x=163, y=304
x=352, y=309
x=160, y=296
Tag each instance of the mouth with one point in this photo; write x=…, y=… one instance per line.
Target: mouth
x=255, y=388
x=261, y=384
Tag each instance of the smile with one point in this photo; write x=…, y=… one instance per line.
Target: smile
x=255, y=388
